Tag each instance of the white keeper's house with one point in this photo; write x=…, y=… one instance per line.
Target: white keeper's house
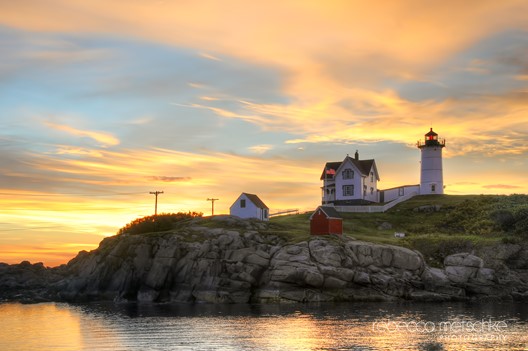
x=354, y=182
x=249, y=206
x=350, y=182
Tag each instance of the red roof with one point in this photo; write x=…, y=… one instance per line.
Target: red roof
x=329, y=211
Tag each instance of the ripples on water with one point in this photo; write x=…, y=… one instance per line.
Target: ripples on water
x=346, y=326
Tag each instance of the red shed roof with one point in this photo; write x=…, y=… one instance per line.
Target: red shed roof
x=329, y=211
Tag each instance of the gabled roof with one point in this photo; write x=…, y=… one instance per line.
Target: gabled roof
x=329, y=211
x=364, y=166
x=256, y=200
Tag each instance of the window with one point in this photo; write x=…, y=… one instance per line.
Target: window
x=372, y=177
x=265, y=213
x=401, y=191
x=433, y=188
x=348, y=174
x=348, y=190
x=243, y=203
x=371, y=190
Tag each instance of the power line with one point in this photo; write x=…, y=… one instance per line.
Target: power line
x=212, y=205
x=156, y=203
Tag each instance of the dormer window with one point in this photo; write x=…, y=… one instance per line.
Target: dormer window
x=348, y=174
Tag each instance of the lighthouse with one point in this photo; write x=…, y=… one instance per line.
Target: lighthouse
x=431, y=178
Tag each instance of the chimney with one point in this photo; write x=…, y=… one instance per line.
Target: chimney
x=356, y=155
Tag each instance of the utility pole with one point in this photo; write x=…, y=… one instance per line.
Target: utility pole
x=212, y=205
x=156, y=193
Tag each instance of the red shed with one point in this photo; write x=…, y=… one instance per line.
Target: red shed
x=326, y=220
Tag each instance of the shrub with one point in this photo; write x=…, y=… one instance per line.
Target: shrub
x=489, y=215
x=462, y=217
x=159, y=223
x=521, y=221
x=511, y=240
x=436, y=248
x=504, y=219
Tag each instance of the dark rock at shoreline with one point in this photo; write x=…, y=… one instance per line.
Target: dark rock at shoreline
x=239, y=263
x=26, y=282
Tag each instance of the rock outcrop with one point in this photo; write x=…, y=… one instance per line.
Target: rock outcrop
x=228, y=260
x=26, y=282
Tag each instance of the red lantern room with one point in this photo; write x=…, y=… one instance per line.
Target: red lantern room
x=431, y=135
x=431, y=139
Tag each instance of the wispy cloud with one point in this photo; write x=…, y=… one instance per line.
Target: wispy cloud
x=197, y=85
x=168, y=179
x=501, y=186
x=73, y=150
x=104, y=138
x=260, y=149
x=209, y=98
x=209, y=56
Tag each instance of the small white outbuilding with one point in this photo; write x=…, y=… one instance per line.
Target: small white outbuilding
x=249, y=206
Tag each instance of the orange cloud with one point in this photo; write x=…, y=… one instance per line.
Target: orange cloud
x=501, y=186
x=401, y=40
x=169, y=179
x=105, y=139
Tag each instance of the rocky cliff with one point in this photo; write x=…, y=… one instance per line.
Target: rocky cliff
x=228, y=260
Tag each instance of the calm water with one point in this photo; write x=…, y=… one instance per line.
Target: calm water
x=351, y=326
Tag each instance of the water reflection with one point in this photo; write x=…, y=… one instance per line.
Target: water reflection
x=25, y=327
x=362, y=326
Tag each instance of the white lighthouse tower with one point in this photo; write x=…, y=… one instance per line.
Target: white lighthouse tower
x=431, y=178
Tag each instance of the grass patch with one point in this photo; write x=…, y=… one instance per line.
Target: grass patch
x=436, y=225
x=292, y=228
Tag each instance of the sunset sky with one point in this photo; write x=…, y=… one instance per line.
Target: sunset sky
x=104, y=101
